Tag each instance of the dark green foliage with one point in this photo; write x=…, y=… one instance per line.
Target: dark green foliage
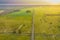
x=28, y=11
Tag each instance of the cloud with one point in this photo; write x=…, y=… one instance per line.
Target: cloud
x=30, y=1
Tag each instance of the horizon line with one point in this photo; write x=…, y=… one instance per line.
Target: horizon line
x=31, y=4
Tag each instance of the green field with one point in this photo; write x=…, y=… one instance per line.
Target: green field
x=10, y=23
x=46, y=23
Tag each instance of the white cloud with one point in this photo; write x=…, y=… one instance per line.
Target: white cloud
x=52, y=1
x=28, y=1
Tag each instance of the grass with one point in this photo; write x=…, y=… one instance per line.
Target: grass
x=46, y=27
x=11, y=22
x=47, y=24
x=13, y=37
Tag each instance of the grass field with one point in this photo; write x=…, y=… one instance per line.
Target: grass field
x=46, y=23
x=11, y=22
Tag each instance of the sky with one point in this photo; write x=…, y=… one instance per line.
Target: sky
x=30, y=2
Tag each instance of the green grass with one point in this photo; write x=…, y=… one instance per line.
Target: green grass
x=14, y=37
x=11, y=21
x=46, y=27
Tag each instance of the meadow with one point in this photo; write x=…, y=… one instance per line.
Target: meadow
x=46, y=23
x=10, y=23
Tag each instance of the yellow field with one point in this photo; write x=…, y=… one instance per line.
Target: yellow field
x=47, y=22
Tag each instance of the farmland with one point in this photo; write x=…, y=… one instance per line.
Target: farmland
x=46, y=23
x=11, y=21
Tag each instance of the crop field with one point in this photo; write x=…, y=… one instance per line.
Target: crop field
x=47, y=23
x=16, y=24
